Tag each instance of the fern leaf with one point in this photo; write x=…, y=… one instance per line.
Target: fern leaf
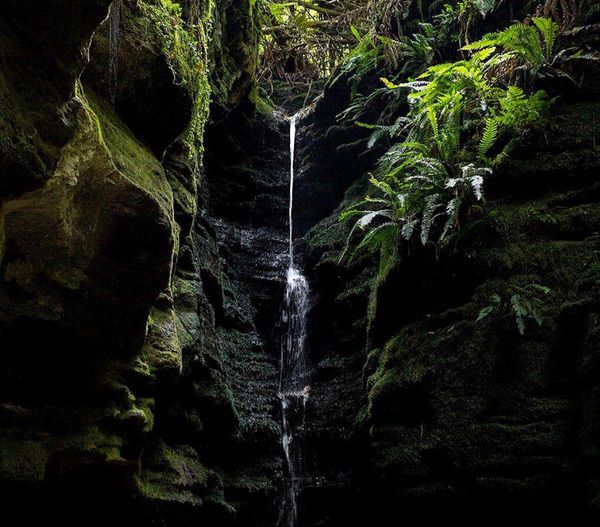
x=487, y=42
x=488, y=138
x=538, y=287
x=368, y=218
x=389, y=84
x=364, y=221
x=377, y=236
x=432, y=203
x=485, y=7
x=548, y=29
x=519, y=311
x=379, y=133
x=383, y=186
x=486, y=311
x=477, y=187
x=408, y=229
x=452, y=210
x=433, y=121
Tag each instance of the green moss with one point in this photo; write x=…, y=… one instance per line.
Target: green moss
x=175, y=473
x=184, y=199
x=22, y=460
x=185, y=45
x=394, y=369
x=162, y=352
x=388, y=260
x=131, y=158
x=261, y=101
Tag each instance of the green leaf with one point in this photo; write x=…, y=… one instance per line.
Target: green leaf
x=488, y=138
x=389, y=84
x=548, y=28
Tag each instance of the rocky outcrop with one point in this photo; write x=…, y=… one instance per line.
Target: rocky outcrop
x=134, y=285
x=417, y=406
x=42, y=57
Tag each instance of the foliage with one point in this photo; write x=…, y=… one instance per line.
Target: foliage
x=418, y=50
x=528, y=52
x=308, y=39
x=362, y=60
x=410, y=54
x=567, y=14
x=185, y=45
x=588, y=10
x=303, y=39
x=460, y=126
x=496, y=301
x=526, y=304
x=469, y=11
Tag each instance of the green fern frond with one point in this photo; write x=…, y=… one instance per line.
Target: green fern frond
x=548, y=29
x=432, y=204
x=488, y=138
x=377, y=236
x=452, y=211
x=408, y=229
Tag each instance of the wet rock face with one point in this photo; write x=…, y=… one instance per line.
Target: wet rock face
x=137, y=309
x=332, y=154
x=87, y=244
x=483, y=411
x=42, y=55
x=73, y=244
x=417, y=407
x=246, y=192
x=126, y=52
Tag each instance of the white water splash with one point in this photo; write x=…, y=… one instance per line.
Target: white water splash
x=293, y=387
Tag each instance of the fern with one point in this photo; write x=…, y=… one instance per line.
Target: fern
x=434, y=176
x=364, y=222
x=488, y=138
x=486, y=7
x=489, y=309
x=548, y=29
x=526, y=305
x=378, y=236
x=432, y=204
x=525, y=309
x=452, y=211
x=526, y=49
x=408, y=229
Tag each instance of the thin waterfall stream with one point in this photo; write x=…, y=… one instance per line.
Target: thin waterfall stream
x=293, y=383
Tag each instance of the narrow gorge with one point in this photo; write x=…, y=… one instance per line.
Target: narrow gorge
x=302, y=263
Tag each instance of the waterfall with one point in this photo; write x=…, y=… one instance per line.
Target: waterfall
x=293, y=382
x=291, y=202
x=114, y=34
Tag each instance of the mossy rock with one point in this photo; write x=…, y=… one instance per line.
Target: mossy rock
x=106, y=215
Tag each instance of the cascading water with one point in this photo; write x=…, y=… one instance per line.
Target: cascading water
x=293, y=382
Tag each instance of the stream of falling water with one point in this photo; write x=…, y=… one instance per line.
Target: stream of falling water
x=293, y=381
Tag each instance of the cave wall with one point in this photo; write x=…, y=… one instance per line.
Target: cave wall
x=131, y=311
x=415, y=407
